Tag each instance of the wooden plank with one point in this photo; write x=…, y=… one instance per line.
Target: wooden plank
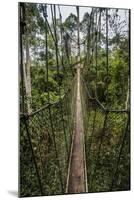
x=76, y=182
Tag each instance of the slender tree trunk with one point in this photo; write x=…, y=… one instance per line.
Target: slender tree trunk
x=127, y=98
x=78, y=34
x=27, y=78
x=128, y=87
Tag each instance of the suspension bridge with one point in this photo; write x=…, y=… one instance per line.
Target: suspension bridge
x=73, y=133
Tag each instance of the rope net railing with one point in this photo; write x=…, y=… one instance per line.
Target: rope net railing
x=107, y=143
x=106, y=116
x=47, y=138
x=46, y=133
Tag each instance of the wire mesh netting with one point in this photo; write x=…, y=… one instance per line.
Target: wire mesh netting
x=46, y=137
x=106, y=107
x=107, y=144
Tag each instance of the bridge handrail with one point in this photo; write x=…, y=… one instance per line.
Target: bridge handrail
x=104, y=109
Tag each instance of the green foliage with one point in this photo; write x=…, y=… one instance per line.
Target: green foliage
x=53, y=82
x=71, y=22
x=108, y=82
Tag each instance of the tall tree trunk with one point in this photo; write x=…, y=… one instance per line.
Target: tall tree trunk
x=27, y=77
x=78, y=34
x=127, y=104
x=127, y=98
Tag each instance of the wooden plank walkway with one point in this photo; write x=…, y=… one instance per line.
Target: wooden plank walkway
x=77, y=180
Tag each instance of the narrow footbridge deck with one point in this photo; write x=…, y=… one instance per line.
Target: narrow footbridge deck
x=76, y=182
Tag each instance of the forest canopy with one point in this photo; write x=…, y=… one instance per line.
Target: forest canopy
x=34, y=54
